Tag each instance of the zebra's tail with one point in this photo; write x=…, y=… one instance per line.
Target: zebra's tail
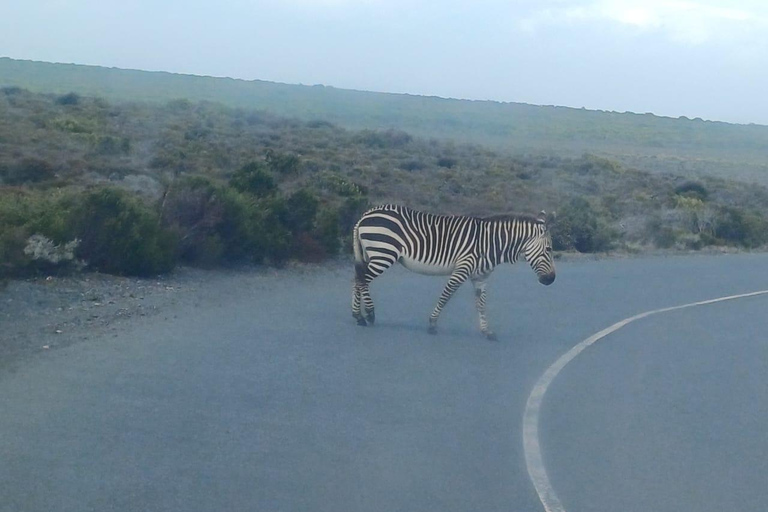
x=361, y=265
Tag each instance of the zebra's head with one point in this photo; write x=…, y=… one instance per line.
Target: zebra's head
x=538, y=251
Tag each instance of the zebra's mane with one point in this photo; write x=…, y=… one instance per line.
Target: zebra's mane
x=502, y=217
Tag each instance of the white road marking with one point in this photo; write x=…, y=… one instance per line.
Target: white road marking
x=533, y=459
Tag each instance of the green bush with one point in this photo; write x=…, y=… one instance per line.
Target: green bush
x=300, y=211
x=12, y=90
x=384, y=139
x=68, y=99
x=254, y=178
x=15, y=211
x=109, y=145
x=26, y=213
x=217, y=224
x=28, y=170
x=120, y=235
x=327, y=231
x=692, y=189
x=661, y=235
x=741, y=228
x=579, y=227
x=282, y=163
x=413, y=165
x=117, y=233
x=447, y=162
x=340, y=185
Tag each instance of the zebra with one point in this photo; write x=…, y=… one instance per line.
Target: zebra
x=460, y=246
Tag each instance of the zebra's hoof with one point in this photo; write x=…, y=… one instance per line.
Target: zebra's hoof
x=371, y=319
x=432, y=329
x=490, y=335
x=361, y=322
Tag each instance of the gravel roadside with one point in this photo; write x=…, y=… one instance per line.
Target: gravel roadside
x=48, y=313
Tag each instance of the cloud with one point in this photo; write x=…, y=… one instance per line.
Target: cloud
x=687, y=22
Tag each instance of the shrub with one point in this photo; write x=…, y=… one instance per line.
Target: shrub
x=341, y=185
x=412, y=165
x=661, y=235
x=300, y=211
x=48, y=254
x=15, y=211
x=216, y=224
x=579, y=227
x=282, y=163
x=350, y=211
x=120, y=235
x=741, y=228
x=24, y=214
x=308, y=249
x=12, y=90
x=109, y=145
x=254, y=178
x=319, y=123
x=446, y=162
x=589, y=164
x=327, y=231
x=384, y=139
x=692, y=189
x=29, y=170
x=68, y=99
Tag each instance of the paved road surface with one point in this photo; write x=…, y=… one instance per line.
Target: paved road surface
x=270, y=398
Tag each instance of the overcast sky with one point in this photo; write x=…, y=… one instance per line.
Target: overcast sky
x=697, y=58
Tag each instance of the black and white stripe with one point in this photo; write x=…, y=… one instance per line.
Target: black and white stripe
x=459, y=246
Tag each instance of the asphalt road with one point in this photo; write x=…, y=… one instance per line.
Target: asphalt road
x=271, y=398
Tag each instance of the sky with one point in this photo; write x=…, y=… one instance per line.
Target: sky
x=693, y=58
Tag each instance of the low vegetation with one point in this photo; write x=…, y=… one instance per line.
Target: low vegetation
x=138, y=188
x=688, y=147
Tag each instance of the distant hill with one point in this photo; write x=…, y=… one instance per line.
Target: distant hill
x=645, y=141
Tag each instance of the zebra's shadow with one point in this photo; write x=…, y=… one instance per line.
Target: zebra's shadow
x=418, y=331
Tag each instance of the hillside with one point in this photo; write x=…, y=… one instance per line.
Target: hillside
x=689, y=147
x=134, y=188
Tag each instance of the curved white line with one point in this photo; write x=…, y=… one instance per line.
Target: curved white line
x=533, y=459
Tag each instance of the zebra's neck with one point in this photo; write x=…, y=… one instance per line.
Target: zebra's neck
x=507, y=238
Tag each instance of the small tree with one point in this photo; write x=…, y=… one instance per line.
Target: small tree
x=282, y=163
x=120, y=235
x=579, y=227
x=300, y=211
x=692, y=189
x=253, y=178
x=71, y=98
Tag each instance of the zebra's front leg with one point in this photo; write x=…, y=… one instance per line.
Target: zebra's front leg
x=479, y=283
x=457, y=279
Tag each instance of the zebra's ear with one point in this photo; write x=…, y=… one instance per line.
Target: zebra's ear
x=548, y=220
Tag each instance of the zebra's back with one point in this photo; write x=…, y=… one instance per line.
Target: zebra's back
x=421, y=241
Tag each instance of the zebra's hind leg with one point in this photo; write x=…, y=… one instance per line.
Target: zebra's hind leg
x=360, y=294
x=356, y=298
x=479, y=283
x=378, y=263
x=361, y=298
x=370, y=315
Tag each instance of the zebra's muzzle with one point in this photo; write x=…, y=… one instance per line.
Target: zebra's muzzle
x=547, y=279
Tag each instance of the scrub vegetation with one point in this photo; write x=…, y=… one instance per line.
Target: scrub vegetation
x=688, y=147
x=137, y=188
